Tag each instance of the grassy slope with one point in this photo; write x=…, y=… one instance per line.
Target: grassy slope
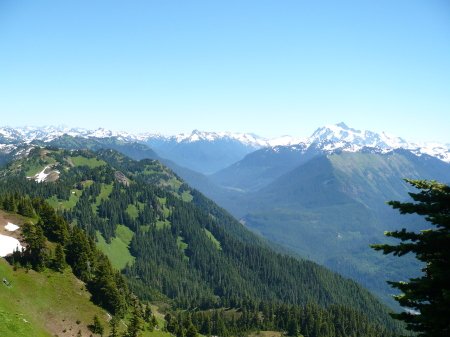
x=213, y=239
x=117, y=250
x=91, y=162
x=50, y=302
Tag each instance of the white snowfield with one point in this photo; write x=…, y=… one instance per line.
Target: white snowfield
x=8, y=245
x=11, y=227
x=42, y=176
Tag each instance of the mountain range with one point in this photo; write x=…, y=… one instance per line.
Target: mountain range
x=323, y=197
x=208, y=152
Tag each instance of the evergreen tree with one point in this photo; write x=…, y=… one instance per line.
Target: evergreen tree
x=153, y=322
x=59, y=263
x=148, y=313
x=187, y=320
x=205, y=328
x=114, y=327
x=97, y=327
x=292, y=328
x=37, y=251
x=171, y=324
x=136, y=323
x=181, y=331
x=429, y=295
x=191, y=331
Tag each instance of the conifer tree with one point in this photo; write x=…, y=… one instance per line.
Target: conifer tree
x=292, y=328
x=191, y=331
x=171, y=324
x=36, y=251
x=428, y=295
x=148, y=313
x=114, y=327
x=136, y=322
x=98, y=326
x=205, y=329
x=59, y=263
x=187, y=320
x=153, y=322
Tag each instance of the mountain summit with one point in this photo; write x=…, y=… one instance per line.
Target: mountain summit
x=209, y=152
x=341, y=132
x=381, y=140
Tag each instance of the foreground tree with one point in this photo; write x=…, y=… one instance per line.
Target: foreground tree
x=429, y=295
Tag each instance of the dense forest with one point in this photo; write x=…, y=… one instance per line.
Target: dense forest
x=181, y=251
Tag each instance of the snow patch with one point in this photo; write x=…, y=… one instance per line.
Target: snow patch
x=42, y=176
x=8, y=245
x=11, y=227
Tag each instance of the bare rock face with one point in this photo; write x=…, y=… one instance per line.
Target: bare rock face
x=121, y=178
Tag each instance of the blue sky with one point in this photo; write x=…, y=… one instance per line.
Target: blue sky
x=268, y=67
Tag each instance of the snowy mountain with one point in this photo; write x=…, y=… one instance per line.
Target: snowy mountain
x=342, y=133
x=49, y=133
x=246, y=139
x=201, y=151
x=204, y=152
x=209, y=152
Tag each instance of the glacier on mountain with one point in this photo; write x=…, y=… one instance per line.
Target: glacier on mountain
x=331, y=137
x=381, y=140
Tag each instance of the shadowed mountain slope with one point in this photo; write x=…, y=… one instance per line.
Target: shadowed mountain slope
x=331, y=208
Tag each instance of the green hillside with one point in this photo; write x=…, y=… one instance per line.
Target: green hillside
x=332, y=208
x=175, y=243
x=260, y=168
x=39, y=298
x=154, y=172
x=44, y=304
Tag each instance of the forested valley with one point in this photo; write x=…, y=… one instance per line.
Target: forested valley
x=130, y=228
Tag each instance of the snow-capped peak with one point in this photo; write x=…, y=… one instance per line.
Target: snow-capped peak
x=381, y=140
x=341, y=132
x=8, y=132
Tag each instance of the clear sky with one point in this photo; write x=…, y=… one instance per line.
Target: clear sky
x=268, y=67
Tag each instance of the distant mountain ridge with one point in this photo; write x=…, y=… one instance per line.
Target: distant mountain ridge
x=49, y=133
x=335, y=133
x=204, y=152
